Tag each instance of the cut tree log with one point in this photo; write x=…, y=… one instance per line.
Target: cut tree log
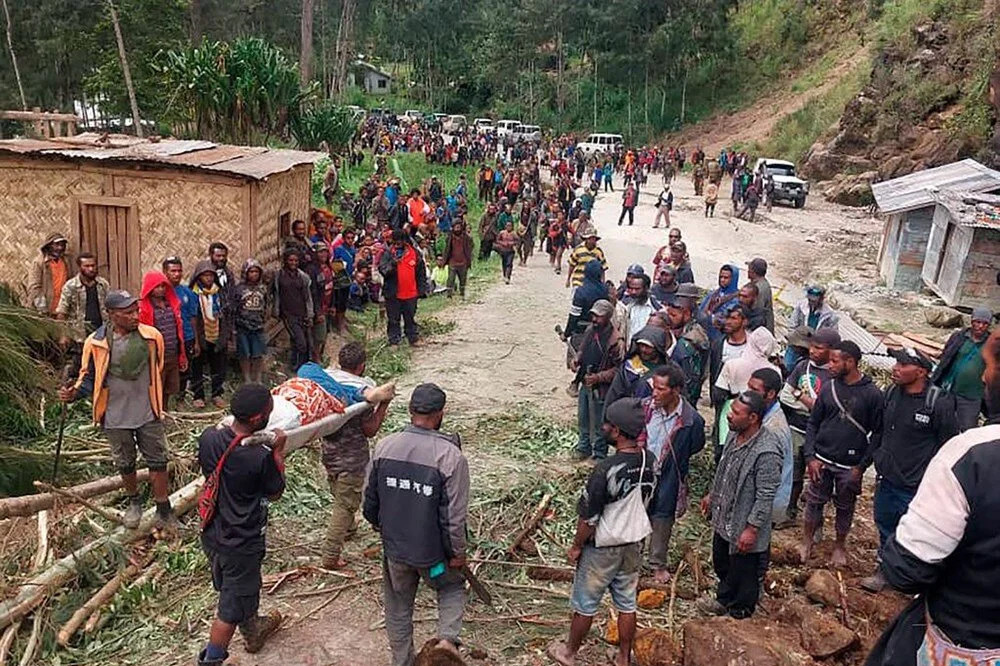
x=73, y=497
x=101, y=597
x=33, y=592
x=531, y=526
x=29, y=505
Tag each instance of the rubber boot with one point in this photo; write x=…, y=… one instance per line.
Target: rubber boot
x=874, y=583
x=133, y=514
x=257, y=630
x=205, y=661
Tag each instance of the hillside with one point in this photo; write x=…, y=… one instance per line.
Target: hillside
x=916, y=86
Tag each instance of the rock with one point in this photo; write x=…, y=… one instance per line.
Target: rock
x=611, y=629
x=431, y=655
x=941, y=317
x=822, y=587
x=897, y=165
x=649, y=599
x=823, y=637
x=753, y=642
x=655, y=647
x=850, y=190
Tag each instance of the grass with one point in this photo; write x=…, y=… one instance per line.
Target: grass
x=794, y=134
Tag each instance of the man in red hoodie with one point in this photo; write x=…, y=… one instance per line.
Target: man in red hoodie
x=159, y=307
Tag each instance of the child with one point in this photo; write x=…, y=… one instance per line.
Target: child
x=233, y=539
x=358, y=295
x=204, y=283
x=250, y=308
x=439, y=276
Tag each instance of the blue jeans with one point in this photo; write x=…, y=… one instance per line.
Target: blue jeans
x=891, y=502
x=586, y=404
x=612, y=569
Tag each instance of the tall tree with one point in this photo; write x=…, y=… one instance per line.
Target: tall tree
x=126, y=72
x=13, y=56
x=306, y=42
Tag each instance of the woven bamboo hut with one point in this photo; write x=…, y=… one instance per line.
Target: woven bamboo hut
x=133, y=202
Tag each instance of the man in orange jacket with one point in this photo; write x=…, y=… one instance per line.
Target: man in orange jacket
x=122, y=372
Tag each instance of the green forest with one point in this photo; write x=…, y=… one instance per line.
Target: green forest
x=635, y=66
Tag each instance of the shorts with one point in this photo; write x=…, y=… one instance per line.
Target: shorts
x=340, y=298
x=236, y=577
x=149, y=438
x=171, y=376
x=614, y=568
x=250, y=344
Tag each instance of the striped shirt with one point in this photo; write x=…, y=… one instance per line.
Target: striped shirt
x=579, y=259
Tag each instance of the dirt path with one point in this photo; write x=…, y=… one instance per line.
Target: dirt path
x=503, y=351
x=755, y=122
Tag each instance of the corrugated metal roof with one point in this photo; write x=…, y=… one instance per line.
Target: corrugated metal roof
x=916, y=189
x=252, y=162
x=971, y=209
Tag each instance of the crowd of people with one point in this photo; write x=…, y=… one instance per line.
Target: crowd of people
x=791, y=428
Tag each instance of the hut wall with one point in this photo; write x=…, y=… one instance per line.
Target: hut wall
x=287, y=193
x=979, y=278
x=906, y=245
x=947, y=249
x=35, y=200
x=183, y=215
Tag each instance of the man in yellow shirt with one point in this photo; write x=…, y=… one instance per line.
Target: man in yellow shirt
x=582, y=254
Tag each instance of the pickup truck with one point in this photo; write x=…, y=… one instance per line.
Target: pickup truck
x=787, y=185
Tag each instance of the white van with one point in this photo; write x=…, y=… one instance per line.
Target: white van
x=455, y=123
x=527, y=133
x=604, y=143
x=483, y=125
x=505, y=127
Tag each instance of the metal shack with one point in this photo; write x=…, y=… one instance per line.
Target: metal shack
x=962, y=264
x=908, y=205
x=134, y=201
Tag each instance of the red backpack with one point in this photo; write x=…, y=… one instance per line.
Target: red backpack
x=210, y=491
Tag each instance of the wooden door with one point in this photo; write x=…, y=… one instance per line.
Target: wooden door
x=110, y=230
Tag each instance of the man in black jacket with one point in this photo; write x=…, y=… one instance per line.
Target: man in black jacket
x=417, y=497
x=946, y=550
x=845, y=426
x=917, y=421
x=602, y=350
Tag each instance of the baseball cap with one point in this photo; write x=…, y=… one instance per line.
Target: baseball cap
x=635, y=269
x=758, y=265
x=590, y=234
x=668, y=268
x=801, y=336
x=982, y=314
x=826, y=336
x=910, y=356
x=688, y=290
x=427, y=399
x=627, y=415
x=603, y=308
x=119, y=299
x=815, y=290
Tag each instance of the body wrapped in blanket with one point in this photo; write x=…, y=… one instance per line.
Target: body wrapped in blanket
x=316, y=395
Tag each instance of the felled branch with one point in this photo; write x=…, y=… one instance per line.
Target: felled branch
x=29, y=505
x=532, y=525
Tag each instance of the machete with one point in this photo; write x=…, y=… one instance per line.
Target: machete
x=477, y=586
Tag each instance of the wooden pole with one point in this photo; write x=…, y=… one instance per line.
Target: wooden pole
x=13, y=56
x=306, y=42
x=125, y=69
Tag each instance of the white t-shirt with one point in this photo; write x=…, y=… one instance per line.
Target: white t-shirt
x=730, y=351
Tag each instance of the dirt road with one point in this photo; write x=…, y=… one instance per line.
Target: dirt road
x=503, y=351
